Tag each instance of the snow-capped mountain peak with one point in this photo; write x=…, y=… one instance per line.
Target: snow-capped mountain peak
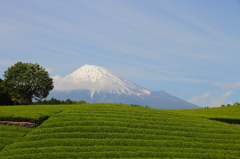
x=96, y=78
x=96, y=84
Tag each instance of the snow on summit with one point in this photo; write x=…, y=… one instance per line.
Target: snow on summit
x=89, y=73
x=95, y=78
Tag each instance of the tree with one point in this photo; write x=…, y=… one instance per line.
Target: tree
x=236, y=103
x=81, y=102
x=68, y=101
x=27, y=81
x=5, y=99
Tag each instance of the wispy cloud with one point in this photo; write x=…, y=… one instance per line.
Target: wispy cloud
x=216, y=102
x=7, y=63
x=232, y=86
x=195, y=99
x=49, y=70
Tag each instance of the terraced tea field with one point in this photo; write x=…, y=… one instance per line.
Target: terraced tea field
x=118, y=131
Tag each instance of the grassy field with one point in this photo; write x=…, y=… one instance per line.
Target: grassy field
x=119, y=131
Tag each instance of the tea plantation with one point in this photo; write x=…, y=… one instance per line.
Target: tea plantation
x=116, y=131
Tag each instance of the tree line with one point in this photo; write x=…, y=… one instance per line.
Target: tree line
x=228, y=105
x=54, y=101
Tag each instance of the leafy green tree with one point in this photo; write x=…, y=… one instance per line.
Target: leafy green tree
x=222, y=105
x=81, y=102
x=236, y=103
x=27, y=81
x=5, y=99
x=68, y=101
x=228, y=105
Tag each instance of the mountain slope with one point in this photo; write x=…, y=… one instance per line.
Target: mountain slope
x=95, y=84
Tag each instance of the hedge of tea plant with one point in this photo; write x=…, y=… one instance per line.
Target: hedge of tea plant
x=9, y=134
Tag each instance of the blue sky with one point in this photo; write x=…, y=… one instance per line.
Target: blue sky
x=189, y=48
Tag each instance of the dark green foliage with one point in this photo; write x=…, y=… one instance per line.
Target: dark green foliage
x=227, y=120
x=81, y=102
x=25, y=81
x=236, y=103
x=68, y=101
x=5, y=98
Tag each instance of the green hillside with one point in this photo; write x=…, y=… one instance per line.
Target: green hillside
x=116, y=131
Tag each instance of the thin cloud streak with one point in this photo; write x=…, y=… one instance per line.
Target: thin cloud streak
x=232, y=86
x=217, y=102
x=196, y=99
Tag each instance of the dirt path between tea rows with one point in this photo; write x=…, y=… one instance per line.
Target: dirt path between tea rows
x=236, y=124
x=21, y=124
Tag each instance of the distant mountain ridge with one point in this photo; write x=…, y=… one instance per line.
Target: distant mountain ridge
x=95, y=84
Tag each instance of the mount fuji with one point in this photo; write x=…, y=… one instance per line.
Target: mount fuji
x=95, y=84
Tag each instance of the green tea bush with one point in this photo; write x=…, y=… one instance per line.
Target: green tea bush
x=9, y=134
